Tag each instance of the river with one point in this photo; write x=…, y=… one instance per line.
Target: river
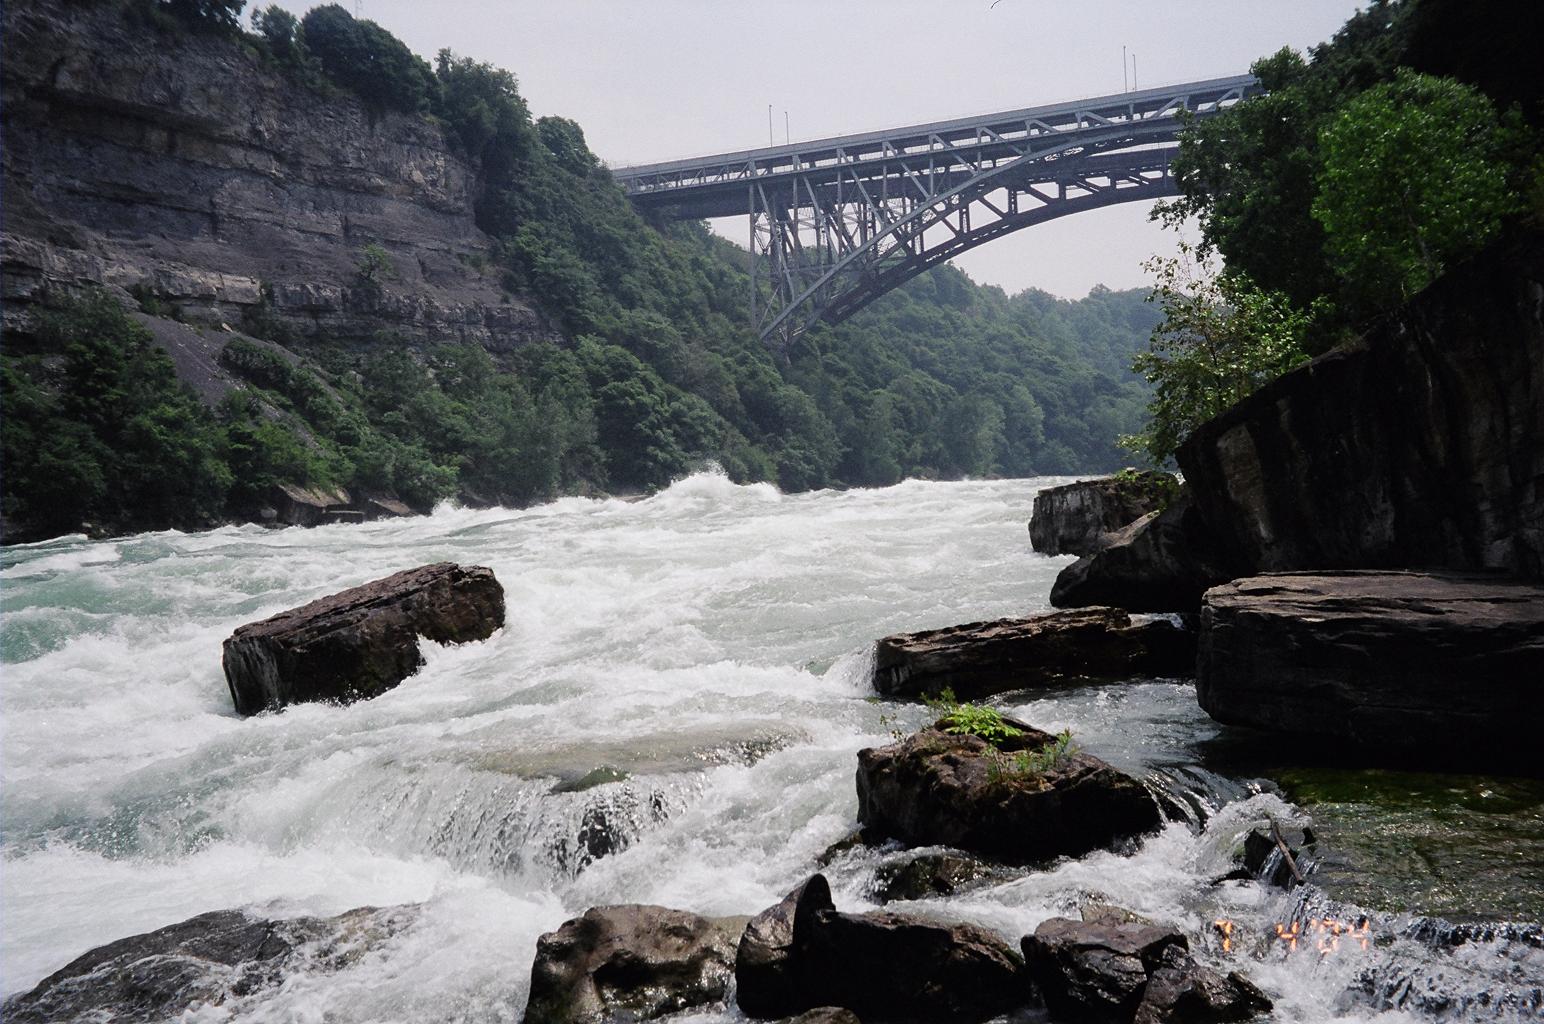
x=669, y=716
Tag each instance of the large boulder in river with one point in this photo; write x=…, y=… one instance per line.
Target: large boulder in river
x=631, y=963
x=1444, y=667
x=803, y=954
x=361, y=642
x=1163, y=562
x=218, y=959
x=1075, y=518
x=982, y=658
x=1013, y=800
x=1131, y=972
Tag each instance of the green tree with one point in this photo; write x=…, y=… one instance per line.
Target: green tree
x=361, y=56
x=1414, y=177
x=1221, y=338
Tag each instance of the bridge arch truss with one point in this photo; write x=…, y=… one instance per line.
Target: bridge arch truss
x=836, y=223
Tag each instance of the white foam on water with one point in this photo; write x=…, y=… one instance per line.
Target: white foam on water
x=711, y=643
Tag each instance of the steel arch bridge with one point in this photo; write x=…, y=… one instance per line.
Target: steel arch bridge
x=835, y=223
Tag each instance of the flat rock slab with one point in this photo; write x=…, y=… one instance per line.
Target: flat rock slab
x=936, y=788
x=218, y=959
x=978, y=659
x=1441, y=667
x=361, y=642
x=630, y=963
x=1074, y=519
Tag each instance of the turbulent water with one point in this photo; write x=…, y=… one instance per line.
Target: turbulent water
x=669, y=716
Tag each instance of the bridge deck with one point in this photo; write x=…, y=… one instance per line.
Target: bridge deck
x=968, y=141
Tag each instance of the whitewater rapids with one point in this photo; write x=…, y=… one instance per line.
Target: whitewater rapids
x=702, y=654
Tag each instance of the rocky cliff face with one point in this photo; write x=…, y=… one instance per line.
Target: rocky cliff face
x=1421, y=446
x=179, y=166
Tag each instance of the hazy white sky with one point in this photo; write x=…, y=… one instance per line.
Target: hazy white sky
x=661, y=79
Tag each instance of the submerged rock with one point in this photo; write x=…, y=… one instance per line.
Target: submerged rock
x=927, y=875
x=803, y=954
x=1075, y=518
x=1163, y=562
x=1441, y=668
x=936, y=788
x=982, y=658
x=214, y=959
x=631, y=963
x=362, y=642
x=1119, y=973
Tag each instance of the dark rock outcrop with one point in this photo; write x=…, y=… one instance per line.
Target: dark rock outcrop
x=1074, y=519
x=803, y=954
x=213, y=959
x=1442, y=667
x=1120, y=973
x=982, y=658
x=361, y=642
x=1098, y=972
x=1163, y=562
x=631, y=963
x=939, y=789
x=1422, y=446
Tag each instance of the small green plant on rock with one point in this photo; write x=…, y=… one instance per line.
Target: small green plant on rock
x=1025, y=765
x=971, y=719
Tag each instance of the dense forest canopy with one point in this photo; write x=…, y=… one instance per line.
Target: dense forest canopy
x=660, y=374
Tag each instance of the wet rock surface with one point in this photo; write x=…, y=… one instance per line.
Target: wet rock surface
x=631, y=962
x=928, y=875
x=982, y=658
x=803, y=954
x=1421, y=445
x=936, y=788
x=1435, y=667
x=213, y=960
x=1123, y=972
x=361, y=642
x=1163, y=562
x=1075, y=518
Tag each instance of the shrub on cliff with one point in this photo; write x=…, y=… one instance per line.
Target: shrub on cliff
x=99, y=430
x=365, y=58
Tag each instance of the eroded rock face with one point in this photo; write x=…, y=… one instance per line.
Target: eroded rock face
x=362, y=642
x=1117, y=973
x=982, y=658
x=1420, y=447
x=179, y=165
x=1163, y=562
x=215, y=959
x=1440, y=667
x=1075, y=518
x=631, y=962
x=803, y=954
x=938, y=789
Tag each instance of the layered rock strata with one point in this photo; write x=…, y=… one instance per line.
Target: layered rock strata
x=180, y=166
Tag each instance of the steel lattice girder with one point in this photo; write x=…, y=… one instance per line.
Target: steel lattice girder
x=837, y=222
